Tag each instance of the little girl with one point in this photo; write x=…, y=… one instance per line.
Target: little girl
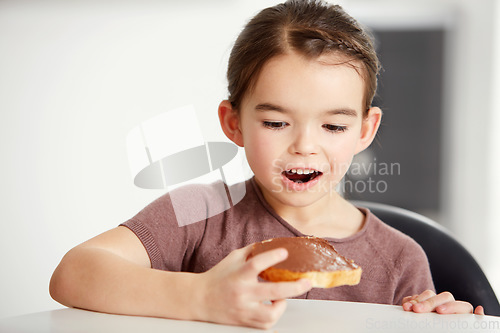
x=302, y=76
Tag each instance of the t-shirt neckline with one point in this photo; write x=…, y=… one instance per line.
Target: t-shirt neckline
x=271, y=211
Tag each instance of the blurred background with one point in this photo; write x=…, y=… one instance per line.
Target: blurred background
x=77, y=76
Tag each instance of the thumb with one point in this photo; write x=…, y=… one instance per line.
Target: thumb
x=241, y=254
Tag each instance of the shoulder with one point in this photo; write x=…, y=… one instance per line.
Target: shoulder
x=196, y=202
x=380, y=230
x=397, y=247
x=217, y=191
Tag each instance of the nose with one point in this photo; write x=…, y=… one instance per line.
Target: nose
x=304, y=142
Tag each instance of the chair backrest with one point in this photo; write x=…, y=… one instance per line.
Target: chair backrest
x=453, y=268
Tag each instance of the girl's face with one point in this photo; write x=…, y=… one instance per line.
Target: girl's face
x=302, y=125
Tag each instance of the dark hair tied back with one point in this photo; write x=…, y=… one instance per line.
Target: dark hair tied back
x=308, y=27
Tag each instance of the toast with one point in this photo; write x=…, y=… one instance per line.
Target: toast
x=311, y=258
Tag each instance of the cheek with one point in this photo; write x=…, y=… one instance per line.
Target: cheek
x=344, y=144
x=341, y=153
x=258, y=148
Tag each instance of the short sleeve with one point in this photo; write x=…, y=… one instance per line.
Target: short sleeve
x=169, y=243
x=415, y=275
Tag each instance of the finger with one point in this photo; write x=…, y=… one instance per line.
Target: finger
x=271, y=313
x=455, y=307
x=262, y=261
x=425, y=295
x=412, y=300
x=244, y=252
x=265, y=315
x=239, y=255
x=408, y=298
x=430, y=304
x=281, y=290
x=408, y=302
x=479, y=310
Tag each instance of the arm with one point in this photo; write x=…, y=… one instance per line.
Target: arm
x=111, y=273
x=443, y=303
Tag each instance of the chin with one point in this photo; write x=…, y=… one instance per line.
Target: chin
x=301, y=199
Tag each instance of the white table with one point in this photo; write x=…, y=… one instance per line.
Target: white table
x=300, y=316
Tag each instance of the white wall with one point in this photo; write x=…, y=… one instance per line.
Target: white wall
x=493, y=194
x=76, y=76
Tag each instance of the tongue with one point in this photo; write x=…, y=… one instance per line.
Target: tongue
x=298, y=178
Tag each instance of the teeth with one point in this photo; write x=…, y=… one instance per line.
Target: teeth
x=301, y=171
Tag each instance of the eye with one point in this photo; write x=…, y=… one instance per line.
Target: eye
x=275, y=125
x=335, y=128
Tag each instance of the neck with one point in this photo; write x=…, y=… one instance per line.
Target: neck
x=331, y=216
x=320, y=212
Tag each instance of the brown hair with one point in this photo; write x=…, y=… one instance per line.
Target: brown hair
x=309, y=27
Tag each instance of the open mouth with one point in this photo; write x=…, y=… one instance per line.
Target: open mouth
x=301, y=175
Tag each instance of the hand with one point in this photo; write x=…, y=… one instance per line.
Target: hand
x=444, y=303
x=233, y=295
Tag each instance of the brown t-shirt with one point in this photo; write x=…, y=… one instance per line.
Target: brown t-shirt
x=394, y=265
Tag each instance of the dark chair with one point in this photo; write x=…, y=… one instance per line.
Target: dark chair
x=452, y=266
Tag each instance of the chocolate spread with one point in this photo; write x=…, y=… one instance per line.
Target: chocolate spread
x=305, y=254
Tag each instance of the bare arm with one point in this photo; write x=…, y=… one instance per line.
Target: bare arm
x=111, y=273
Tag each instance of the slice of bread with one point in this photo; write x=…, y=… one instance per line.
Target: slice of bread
x=311, y=258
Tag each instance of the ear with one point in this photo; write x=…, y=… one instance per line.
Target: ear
x=369, y=128
x=230, y=122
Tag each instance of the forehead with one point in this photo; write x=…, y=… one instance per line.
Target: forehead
x=296, y=81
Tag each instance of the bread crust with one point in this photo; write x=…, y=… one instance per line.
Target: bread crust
x=309, y=258
x=318, y=279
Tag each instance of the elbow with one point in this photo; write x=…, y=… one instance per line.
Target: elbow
x=55, y=286
x=60, y=286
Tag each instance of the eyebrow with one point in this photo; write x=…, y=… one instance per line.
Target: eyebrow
x=271, y=107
